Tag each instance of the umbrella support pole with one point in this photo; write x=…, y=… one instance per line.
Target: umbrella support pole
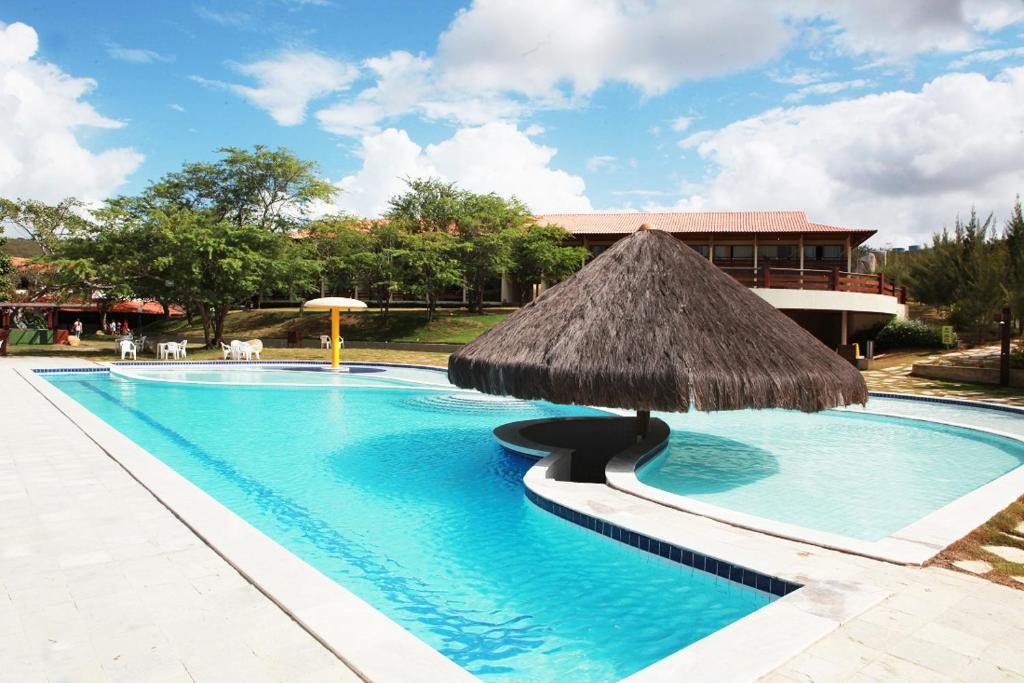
x=643, y=421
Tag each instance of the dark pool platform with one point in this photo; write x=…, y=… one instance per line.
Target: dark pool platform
x=590, y=442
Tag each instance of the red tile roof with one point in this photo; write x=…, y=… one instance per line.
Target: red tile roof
x=695, y=222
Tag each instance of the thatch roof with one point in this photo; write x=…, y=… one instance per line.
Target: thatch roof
x=652, y=325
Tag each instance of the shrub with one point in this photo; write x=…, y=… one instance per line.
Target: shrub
x=899, y=333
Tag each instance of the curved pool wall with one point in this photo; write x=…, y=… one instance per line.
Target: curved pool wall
x=898, y=480
x=404, y=498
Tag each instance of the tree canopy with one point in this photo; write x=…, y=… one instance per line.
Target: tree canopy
x=221, y=234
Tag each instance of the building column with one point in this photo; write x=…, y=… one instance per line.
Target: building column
x=849, y=256
x=844, y=328
x=507, y=295
x=801, y=248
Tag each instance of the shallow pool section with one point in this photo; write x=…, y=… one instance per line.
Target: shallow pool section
x=852, y=473
x=405, y=499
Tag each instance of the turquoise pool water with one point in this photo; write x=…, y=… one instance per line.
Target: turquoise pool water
x=847, y=472
x=403, y=497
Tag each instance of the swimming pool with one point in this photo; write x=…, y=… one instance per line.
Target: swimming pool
x=848, y=472
x=393, y=486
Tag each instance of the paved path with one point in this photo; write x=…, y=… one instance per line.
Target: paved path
x=897, y=379
x=100, y=582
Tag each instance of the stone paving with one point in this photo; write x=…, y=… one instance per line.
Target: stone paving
x=100, y=582
x=897, y=379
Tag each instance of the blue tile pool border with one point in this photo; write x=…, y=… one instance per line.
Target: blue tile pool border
x=673, y=553
x=950, y=401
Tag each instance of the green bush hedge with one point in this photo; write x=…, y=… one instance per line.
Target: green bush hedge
x=904, y=334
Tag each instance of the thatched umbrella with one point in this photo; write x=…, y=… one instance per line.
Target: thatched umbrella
x=650, y=324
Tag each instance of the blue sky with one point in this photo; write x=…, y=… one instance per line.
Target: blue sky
x=894, y=116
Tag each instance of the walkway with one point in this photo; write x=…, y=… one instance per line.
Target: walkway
x=100, y=582
x=897, y=378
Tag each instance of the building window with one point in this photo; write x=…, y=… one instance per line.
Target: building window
x=823, y=252
x=743, y=252
x=727, y=253
x=777, y=252
x=701, y=249
x=598, y=249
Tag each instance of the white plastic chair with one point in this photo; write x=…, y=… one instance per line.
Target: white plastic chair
x=236, y=349
x=183, y=348
x=227, y=350
x=257, y=347
x=168, y=349
x=325, y=342
x=242, y=350
x=128, y=349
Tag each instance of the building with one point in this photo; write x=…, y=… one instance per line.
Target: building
x=806, y=270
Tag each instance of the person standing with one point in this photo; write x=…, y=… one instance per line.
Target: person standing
x=76, y=328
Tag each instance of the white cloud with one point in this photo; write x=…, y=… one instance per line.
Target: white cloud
x=987, y=56
x=496, y=157
x=601, y=162
x=505, y=59
x=41, y=113
x=907, y=27
x=137, y=55
x=289, y=81
x=534, y=129
x=406, y=83
x=800, y=76
x=902, y=162
x=681, y=123
x=830, y=88
x=542, y=49
x=176, y=107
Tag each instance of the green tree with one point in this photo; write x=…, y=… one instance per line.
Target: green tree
x=338, y=245
x=488, y=227
x=980, y=265
x=271, y=189
x=539, y=255
x=430, y=263
x=45, y=224
x=380, y=268
x=212, y=264
x=1014, y=234
x=427, y=215
x=6, y=270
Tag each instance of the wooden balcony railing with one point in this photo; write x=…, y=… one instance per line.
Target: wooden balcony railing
x=835, y=280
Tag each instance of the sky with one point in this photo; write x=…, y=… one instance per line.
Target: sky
x=896, y=116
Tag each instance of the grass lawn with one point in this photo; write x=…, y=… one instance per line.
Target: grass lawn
x=401, y=325
x=997, y=531
x=104, y=351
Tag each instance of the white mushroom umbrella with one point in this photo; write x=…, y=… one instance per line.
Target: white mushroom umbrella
x=334, y=304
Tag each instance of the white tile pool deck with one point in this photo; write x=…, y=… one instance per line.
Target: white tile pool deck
x=99, y=581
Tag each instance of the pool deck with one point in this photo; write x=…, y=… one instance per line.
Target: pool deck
x=100, y=581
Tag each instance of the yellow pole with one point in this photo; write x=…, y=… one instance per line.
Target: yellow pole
x=335, y=335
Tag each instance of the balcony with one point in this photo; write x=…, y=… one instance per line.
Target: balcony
x=812, y=279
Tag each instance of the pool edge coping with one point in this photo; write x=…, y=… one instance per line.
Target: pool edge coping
x=776, y=632
x=360, y=635
x=913, y=545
